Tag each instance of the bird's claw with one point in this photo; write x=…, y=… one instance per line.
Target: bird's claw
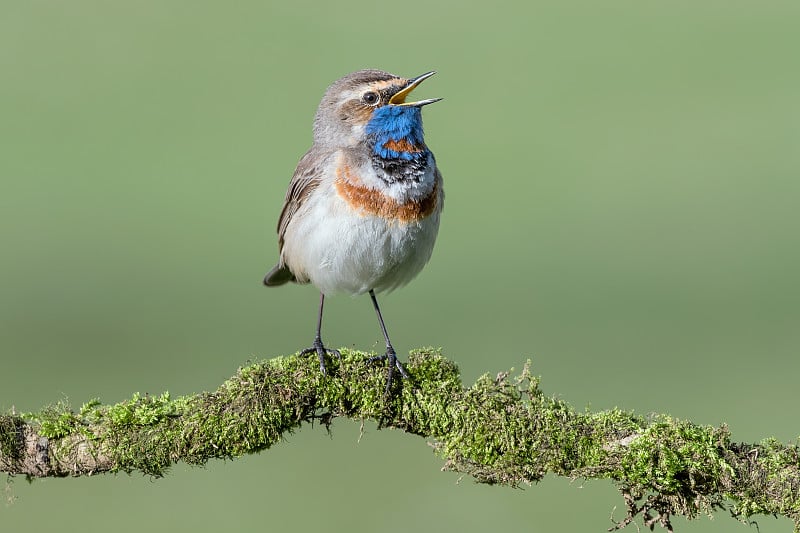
x=321, y=351
x=394, y=366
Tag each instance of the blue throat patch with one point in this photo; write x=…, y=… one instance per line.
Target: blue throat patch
x=397, y=123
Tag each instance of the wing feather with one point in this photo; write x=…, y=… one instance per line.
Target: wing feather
x=306, y=178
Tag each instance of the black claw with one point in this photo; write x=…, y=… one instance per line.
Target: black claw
x=321, y=351
x=394, y=366
x=390, y=354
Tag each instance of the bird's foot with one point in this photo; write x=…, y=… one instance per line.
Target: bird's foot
x=320, y=349
x=394, y=366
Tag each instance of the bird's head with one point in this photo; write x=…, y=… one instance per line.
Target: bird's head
x=370, y=104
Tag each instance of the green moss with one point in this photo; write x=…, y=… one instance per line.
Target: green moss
x=247, y=413
x=11, y=427
x=675, y=467
x=129, y=436
x=505, y=430
x=772, y=483
x=501, y=430
x=671, y=454
x=55, y=421
x=139, y=410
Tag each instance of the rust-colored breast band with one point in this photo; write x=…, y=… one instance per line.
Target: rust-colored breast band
x=402, y=145
x=371, y=202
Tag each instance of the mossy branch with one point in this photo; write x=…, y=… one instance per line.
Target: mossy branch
x=501, y=430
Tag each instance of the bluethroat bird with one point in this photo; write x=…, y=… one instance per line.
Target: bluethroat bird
x=362, y=210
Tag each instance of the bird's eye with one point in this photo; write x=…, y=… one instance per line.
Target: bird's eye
x=370, y=98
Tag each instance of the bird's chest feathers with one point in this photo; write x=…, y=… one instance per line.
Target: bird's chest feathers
x=375, y=199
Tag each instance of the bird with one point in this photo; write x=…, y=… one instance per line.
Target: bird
x=362, y=209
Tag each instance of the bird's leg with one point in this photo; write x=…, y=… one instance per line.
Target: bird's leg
x=318, y=347
x=391, y=355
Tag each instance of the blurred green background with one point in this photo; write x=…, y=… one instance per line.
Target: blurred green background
x=622, y=207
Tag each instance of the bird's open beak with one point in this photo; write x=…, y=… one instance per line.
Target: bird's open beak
x=399, y=98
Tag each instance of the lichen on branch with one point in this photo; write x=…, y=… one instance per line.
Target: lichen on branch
x=502, y=430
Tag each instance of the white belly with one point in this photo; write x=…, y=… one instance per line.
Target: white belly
x=339, y=250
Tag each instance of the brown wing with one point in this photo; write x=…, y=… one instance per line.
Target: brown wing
x=306, y=178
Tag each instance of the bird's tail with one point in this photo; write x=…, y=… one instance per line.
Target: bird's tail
x=279, y=275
